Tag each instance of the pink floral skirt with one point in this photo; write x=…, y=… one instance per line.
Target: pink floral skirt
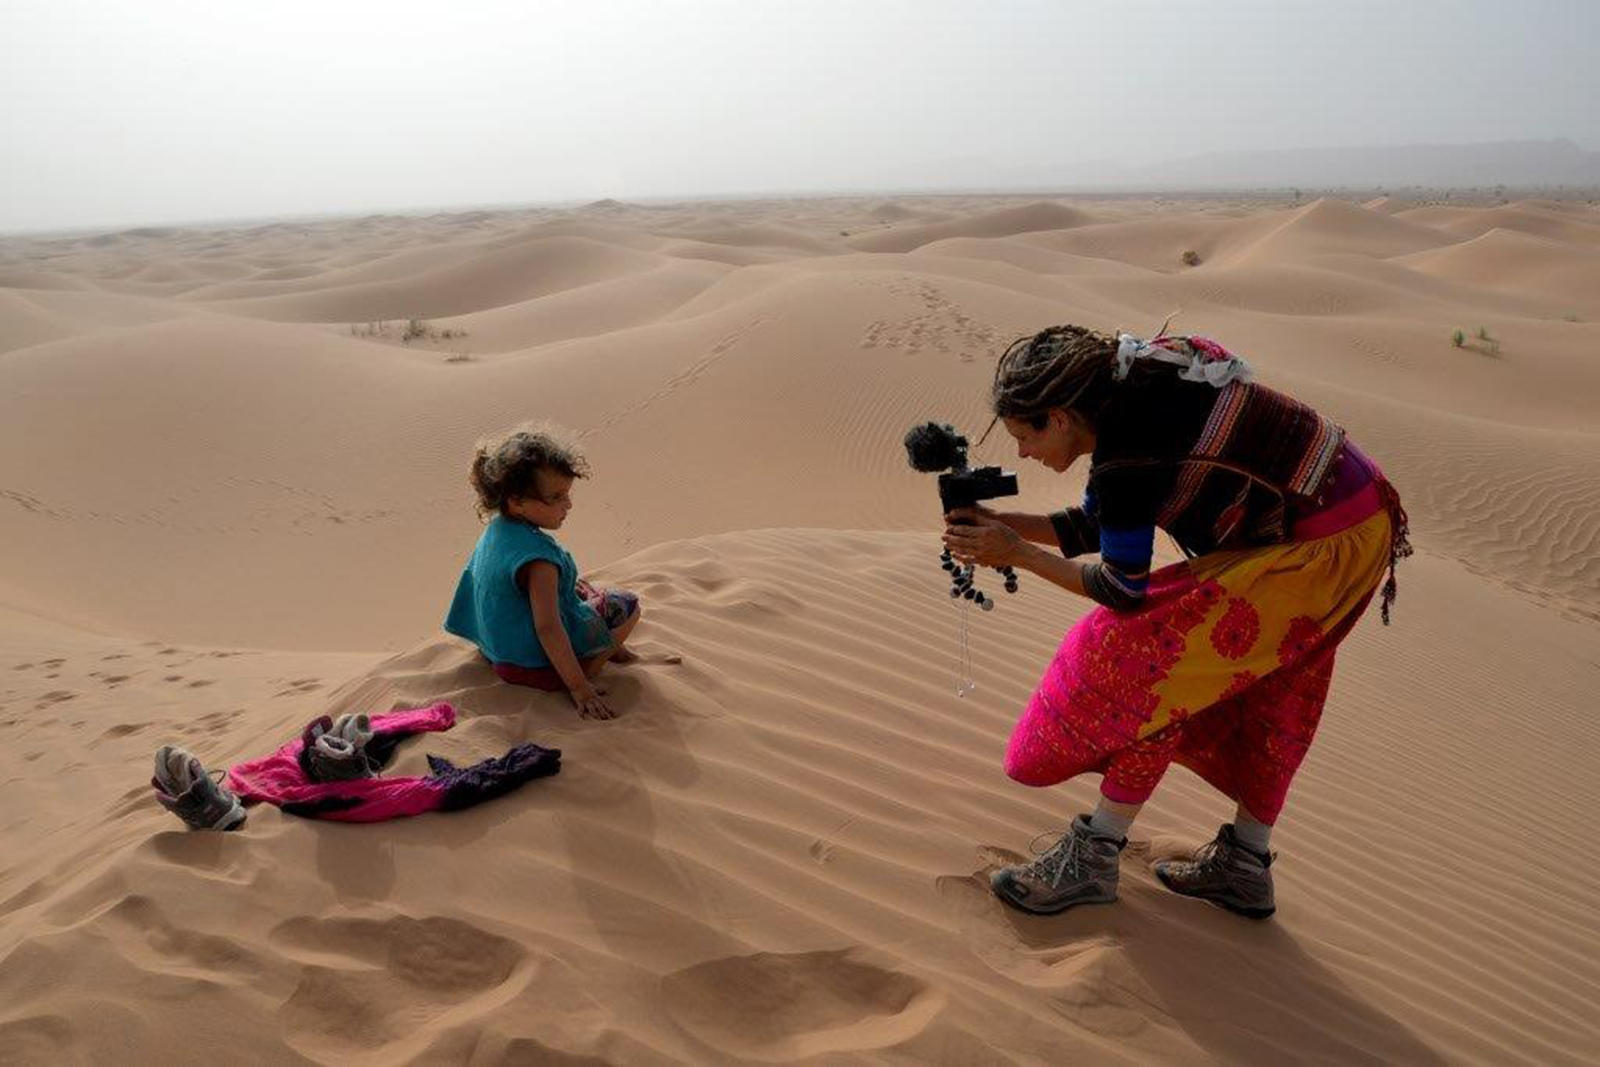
x=1224, y=669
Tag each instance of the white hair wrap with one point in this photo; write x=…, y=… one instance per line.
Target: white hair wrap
x=1197, y=366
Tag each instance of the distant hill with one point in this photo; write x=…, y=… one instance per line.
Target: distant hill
x=1514, y=163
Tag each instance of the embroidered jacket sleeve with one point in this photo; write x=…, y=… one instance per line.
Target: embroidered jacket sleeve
x=1077, y=530
x=1126, y=503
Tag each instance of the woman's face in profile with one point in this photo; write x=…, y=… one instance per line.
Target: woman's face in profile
x=1064, y=437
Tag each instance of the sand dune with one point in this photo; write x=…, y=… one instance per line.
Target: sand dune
x=583, y=311
x=1044, y=215
x=520, y=272
x=733, y=255
x=26, y=323
x=1389, y=205
x=278, y=279
x=1507, y=259
x=224, y=512
x=34, y=316
x=893, y=211
x=1575, y=227
x=805, y=806
x=1403, y=275
x=1156, y=244
x=1029, y=256
x=748, y=236
x=1329, y=226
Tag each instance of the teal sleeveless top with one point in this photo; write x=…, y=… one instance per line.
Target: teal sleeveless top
x=492, y=611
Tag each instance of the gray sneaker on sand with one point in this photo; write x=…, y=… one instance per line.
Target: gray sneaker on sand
x=337, y=750
x=1080, y=868
x=1225, y=873
x=201, y=800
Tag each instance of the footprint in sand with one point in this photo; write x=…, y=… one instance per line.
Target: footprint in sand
x=366, y=983
x=775, y=1006
x=39, y=1039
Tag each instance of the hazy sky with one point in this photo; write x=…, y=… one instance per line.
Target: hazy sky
x=118, y=112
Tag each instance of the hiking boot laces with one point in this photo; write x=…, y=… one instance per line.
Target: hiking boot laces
x=1054, y=862
x=1213, y=858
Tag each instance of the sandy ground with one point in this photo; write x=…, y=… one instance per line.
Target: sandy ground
x=233, y=496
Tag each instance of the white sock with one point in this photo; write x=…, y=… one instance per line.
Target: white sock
x=1253, y=835
x=1107, y=823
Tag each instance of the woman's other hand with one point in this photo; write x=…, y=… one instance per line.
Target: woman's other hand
x=983, y=539
x=975, y=513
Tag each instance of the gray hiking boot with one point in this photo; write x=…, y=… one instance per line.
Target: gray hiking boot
x=201, y=800
x=1081, y=868
x=1225, y=873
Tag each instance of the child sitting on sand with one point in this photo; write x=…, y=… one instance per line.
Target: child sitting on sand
x=520, y=599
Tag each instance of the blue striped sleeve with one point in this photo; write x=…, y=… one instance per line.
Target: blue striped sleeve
x=1122, y=576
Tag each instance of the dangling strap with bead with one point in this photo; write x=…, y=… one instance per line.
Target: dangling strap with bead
x=1399, y=543
x=965, y=593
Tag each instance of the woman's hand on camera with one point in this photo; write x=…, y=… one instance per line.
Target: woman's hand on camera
x=975, y=513
x=987, y=541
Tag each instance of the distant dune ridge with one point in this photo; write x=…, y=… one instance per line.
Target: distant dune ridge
x=1516, y=163
x=233, y=497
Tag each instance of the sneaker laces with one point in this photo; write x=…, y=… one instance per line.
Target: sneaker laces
x=1052, y=863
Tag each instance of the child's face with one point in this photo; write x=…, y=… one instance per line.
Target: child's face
x=548, y=510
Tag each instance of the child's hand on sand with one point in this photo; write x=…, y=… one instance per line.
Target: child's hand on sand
x=591, y=704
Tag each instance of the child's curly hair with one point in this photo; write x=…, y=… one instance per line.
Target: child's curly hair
x=508, y=467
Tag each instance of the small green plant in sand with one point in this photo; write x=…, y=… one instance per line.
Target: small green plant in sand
x=1191, y=258
x=1481, y=339
x=412, y=330
x=1571, y=316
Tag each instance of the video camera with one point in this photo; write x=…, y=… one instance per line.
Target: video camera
x=934, y=447
x=938, y=447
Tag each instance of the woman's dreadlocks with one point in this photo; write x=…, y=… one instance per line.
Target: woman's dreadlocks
x=1060, y=367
